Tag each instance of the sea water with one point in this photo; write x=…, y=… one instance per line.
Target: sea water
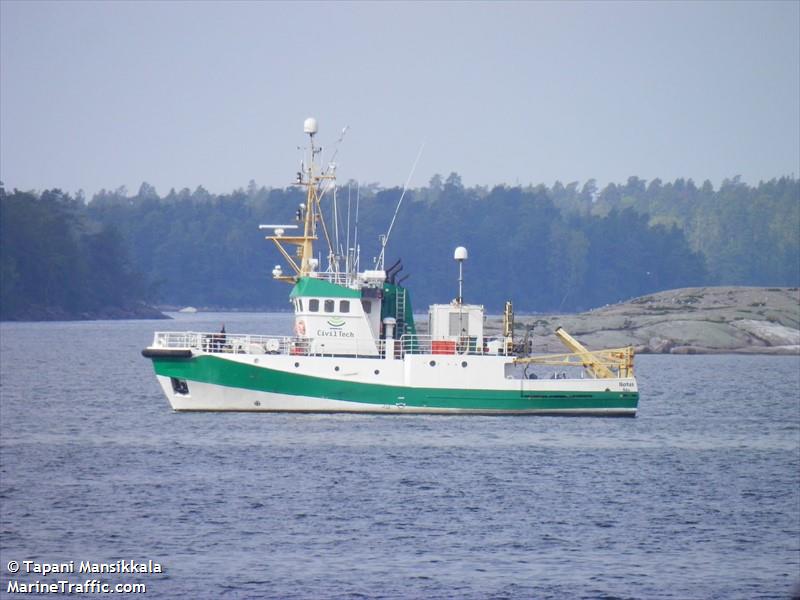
x=697, y=497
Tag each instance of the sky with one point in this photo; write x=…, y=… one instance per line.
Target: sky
x=100, y=95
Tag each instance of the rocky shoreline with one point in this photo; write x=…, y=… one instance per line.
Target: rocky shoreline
x=704, y=320
x=50, y=313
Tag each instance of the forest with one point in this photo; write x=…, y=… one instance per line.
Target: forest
x=57, y=263
x=566, y=247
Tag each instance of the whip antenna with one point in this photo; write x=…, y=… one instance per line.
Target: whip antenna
x=385, y=239
x=336, y=149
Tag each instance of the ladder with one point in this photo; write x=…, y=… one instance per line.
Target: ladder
x=400, y=311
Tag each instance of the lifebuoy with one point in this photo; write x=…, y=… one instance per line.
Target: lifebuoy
x=300, y=328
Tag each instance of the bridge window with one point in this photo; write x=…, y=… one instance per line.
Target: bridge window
x=367, y=306
x=313, y=305
x=344, y=306
x=300, y=304
x=329, y=306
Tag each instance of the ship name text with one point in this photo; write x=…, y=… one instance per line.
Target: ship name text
x=335, y=333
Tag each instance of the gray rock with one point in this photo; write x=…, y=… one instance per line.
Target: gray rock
x=683, y=321
x=659, y=345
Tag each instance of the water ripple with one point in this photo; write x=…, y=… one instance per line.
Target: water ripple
x=699, y=497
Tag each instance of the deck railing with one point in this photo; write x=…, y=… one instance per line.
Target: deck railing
x=269, y=344
x=425, y=344
x=234, y=343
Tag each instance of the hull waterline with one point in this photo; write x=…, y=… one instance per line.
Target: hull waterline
x=212, y=383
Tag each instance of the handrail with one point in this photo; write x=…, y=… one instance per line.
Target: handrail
x=235, y=343
x=413, y=343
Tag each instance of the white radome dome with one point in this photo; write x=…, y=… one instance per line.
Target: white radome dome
x=460, y=253
x=310, y=125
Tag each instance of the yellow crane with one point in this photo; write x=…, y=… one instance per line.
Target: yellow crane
x=601, y=364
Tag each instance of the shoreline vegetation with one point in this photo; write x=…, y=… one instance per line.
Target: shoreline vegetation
x=57, y=263
x=557, y=250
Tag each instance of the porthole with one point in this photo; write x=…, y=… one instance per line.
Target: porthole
x=335, y=368
x=464, y=364
x=296, y=365
x=432, y=363
x=255, y=361
x=257, y=403
x=377, y=372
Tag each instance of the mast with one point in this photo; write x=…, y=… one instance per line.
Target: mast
x=312, y=202
x=308, y=213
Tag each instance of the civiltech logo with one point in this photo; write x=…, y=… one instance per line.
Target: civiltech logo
x=335, y=324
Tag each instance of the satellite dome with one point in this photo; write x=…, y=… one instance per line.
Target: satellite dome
x=310, y=125
x=460, y=253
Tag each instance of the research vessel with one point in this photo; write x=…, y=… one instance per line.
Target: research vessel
x=357, y=348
